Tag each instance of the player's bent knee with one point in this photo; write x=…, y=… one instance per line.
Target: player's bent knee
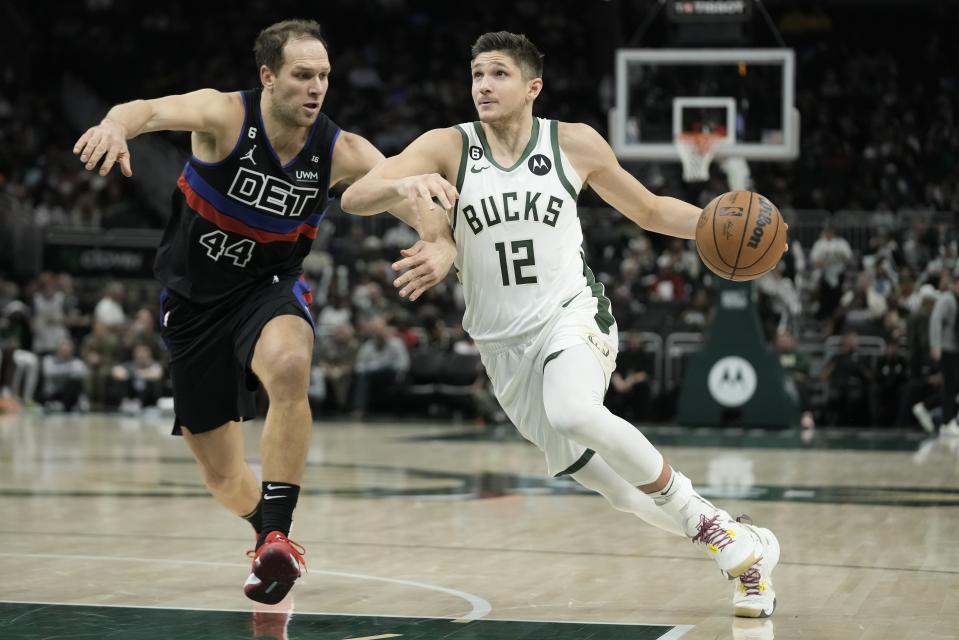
x=570, y=418
x=288, y=373
x=217, y=481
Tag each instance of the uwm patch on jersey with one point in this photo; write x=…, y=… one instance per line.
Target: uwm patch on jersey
x=248, y=216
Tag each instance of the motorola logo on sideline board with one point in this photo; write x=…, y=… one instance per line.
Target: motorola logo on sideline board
x=732, y=381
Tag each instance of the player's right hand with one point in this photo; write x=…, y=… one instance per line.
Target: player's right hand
x=108, y=142
x=420, y=191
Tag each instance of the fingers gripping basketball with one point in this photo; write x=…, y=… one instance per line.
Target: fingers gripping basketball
x=740, y=235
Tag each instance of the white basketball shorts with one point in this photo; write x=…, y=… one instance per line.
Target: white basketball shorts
x=516, y=366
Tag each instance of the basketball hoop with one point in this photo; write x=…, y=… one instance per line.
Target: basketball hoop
x=697, y=150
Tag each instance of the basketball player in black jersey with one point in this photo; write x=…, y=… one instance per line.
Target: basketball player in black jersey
x=235, y=310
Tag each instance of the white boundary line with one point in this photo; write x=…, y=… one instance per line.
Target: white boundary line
x=480, y=608
x=676, y=632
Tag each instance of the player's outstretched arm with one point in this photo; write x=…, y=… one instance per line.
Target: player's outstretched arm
x=415, y=177
x=591, y=154
x=204, y=111
x=428, y=261
x=354, y=157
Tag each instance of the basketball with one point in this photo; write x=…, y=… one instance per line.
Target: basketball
x=740, y=236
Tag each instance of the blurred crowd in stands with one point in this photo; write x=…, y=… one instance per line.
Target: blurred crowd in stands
x=848, y=309
x=852, y=325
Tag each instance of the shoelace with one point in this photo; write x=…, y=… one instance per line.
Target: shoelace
x=298, y=550
x=751, y=579
x=710, y=532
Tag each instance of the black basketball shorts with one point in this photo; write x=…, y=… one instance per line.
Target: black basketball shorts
x=211, y=349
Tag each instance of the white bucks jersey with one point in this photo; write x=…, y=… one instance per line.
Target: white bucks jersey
x=518, y=236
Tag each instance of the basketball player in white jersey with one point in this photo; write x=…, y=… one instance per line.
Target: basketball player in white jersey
x=539, y=318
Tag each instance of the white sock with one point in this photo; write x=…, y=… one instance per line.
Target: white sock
x=681, y=502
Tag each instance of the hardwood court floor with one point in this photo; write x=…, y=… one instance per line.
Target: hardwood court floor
x=426, y=531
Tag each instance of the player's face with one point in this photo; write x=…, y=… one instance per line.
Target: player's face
x=499, y=89
x=297, y=90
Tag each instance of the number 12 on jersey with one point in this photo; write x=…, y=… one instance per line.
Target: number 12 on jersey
x=523, y=256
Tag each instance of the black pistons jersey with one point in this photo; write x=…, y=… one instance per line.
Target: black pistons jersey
x=247, y=217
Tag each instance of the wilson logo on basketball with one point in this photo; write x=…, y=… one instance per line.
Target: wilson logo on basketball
x=744, y=236
x=764, y=218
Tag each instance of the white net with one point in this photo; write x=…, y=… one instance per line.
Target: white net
x=697, y=150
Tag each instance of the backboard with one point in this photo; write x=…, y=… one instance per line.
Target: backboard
x=663, y=92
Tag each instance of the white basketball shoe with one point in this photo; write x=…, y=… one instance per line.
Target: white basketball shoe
x=753, y=595
x=734, y=546
x=950, y=429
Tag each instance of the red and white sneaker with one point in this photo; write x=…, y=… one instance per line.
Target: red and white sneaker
x=276, y=566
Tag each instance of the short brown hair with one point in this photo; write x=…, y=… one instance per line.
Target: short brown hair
x=268, y=46
x=516, y=45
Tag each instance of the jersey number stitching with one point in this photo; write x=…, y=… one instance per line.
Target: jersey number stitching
x=216, y=246
x=528, y=260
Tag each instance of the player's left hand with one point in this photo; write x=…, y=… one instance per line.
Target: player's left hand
x=108, y=142
x=425, y=264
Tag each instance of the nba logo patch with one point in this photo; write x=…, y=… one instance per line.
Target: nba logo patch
x=475, y=152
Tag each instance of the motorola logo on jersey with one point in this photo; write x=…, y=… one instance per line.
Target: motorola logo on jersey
x=539, y=164
x=475, y=152
x=270, y=194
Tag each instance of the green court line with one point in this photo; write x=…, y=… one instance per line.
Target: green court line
x=22, y=621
